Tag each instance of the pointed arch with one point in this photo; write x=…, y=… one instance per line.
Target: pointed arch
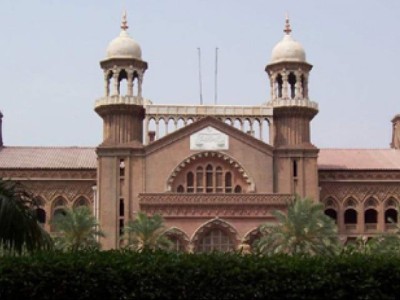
x=59, y=204
x=179, y=238
x=251, y=236
x=233, y=163
x=351, y=202
x=215, y=235
x=81, y=201
x=331, y=202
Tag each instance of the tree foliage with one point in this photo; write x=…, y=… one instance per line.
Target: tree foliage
x=77, y=229
x=147, y=233
x=19, y=228
x=303, y=230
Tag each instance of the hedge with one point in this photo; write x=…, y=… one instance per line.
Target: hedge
x=129, y=275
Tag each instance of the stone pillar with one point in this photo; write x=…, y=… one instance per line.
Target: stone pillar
x=140, y=81
x=115, y=83
x=146, y=130
x=297, y=92
x=129, y=80
x=106, y=84
x=285, y=86
x=157, y=129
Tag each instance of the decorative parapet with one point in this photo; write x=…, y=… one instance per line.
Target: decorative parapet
x=117, y=99
x=294, y=103
x=207, y=110
x=208, y=205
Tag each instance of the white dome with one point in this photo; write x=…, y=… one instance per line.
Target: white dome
x=124, y=47
x=288, y=50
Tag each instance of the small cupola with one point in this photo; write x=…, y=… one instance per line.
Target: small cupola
x=395, y=144
x=124, y=46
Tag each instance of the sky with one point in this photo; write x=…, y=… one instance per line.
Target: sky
x=50, y=52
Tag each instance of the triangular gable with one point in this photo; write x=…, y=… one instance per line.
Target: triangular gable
x=217, y=127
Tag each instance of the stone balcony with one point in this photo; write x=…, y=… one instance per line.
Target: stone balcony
x=294, y=103
x=117, y=99
x=211, y=205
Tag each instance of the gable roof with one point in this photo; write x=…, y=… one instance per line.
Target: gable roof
x=48, y=158
x=359, y=159
x=217, y=124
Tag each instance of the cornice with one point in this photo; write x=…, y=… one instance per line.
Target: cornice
x=359, y=176
x=49, y=174
x=208, y=205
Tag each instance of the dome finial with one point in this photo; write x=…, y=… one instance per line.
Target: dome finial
x=287, y=29
x=124, y=23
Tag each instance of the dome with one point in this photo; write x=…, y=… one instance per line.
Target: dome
x=288, y=49
x=124, y=46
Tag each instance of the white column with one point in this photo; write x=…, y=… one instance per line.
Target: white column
x=146, y=130
x=285, y=86
x=130, y=79
x=157, y=128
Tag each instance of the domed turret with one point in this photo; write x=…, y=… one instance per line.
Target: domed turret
x=124, y=46
x=288, y=50
x=121, y=107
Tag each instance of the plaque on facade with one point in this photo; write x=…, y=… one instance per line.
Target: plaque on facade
x=209, y=138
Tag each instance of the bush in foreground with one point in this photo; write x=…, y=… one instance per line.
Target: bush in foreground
x=149, y=275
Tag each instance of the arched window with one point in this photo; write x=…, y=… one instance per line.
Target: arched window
x=59, y=206
x=209, y=179
x=210, y=173
x=228, y=182
x=189, y=182
x=292, y=85
x=350, y=216
x=391, y=216
x=215, y=240
x=331, y=213
x=122, y=83
x=81, y=201
x=199, y=180
x=371, y=216
x=41, y=215
x=238, y=189
x=177, y=244
x=180, y=189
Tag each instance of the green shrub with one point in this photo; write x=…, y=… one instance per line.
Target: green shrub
x=149, y=275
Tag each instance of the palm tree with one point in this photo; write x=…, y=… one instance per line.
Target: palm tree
x=19, y=227
x=77, y=229
x=304, y=230
x=147, y=233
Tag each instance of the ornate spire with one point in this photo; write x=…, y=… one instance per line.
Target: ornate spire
x=124, y=22
x=287, y=29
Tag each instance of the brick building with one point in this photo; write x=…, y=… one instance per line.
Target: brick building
x=209, y=169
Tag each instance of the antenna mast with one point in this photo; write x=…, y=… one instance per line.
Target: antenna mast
x=216, y=77
x=200, y=81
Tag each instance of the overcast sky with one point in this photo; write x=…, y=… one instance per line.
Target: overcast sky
x=50, y=52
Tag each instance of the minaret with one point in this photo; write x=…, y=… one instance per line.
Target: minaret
x=122, y=112
x=295, y=155
x=119, y=155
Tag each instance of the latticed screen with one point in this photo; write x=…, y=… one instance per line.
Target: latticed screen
x=215, y=240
